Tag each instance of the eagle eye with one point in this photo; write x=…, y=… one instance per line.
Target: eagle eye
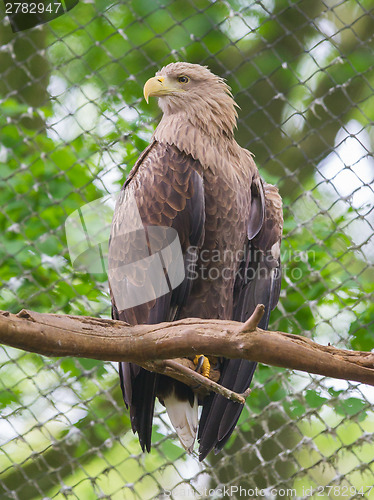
x=183, y=79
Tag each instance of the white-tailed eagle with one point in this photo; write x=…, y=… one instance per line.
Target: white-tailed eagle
x=196, y=180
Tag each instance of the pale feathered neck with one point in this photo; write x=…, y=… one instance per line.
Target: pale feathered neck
x=204, y=129
x=212, y=110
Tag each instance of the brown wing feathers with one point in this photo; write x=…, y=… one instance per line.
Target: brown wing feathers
x=256, y=283
x=169, y=192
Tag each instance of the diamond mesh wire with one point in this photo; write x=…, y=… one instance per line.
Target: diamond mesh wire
x=73, y=122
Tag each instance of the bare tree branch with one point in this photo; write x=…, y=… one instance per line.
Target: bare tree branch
x=153, y=346
x=179, y=370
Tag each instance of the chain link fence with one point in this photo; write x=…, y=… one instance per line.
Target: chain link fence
x=72, y=123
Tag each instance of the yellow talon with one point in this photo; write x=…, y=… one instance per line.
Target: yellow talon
x=205, y=365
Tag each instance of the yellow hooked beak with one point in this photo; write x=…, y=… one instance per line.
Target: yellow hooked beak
x=157, y=87
x=154, y=87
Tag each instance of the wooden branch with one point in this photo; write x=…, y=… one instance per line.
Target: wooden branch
x=185, y=374
x=150, y=345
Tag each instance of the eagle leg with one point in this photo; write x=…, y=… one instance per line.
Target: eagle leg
x=202, y=362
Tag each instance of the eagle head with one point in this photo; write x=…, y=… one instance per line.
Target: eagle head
x=195, y=93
